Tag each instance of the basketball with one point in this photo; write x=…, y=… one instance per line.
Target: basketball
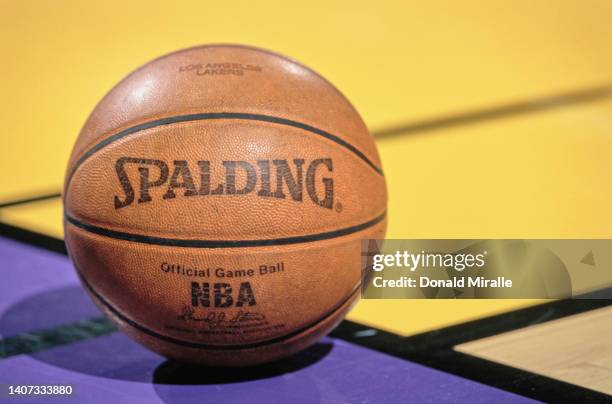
x=215, y=202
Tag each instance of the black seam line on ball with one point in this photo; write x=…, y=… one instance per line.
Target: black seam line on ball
x=199, y=345
x=221, y=115
x=197, y=243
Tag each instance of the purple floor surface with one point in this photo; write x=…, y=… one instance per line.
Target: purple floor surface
x=39, y=291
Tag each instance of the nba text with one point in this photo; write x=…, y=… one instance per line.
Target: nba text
x=220, y=294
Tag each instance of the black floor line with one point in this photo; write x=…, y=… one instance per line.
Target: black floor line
x=37, y=198
x=33, y=238
x=497, y=112
x=433, y=349
x=36, y=341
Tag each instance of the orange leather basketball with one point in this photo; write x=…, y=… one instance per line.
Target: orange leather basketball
x=215, y=201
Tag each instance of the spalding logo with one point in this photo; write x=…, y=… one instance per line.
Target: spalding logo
x=257, y=175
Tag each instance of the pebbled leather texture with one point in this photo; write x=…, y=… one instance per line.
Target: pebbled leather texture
x=215, y=168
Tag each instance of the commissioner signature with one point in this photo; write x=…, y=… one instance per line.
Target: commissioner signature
x=216, y=318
